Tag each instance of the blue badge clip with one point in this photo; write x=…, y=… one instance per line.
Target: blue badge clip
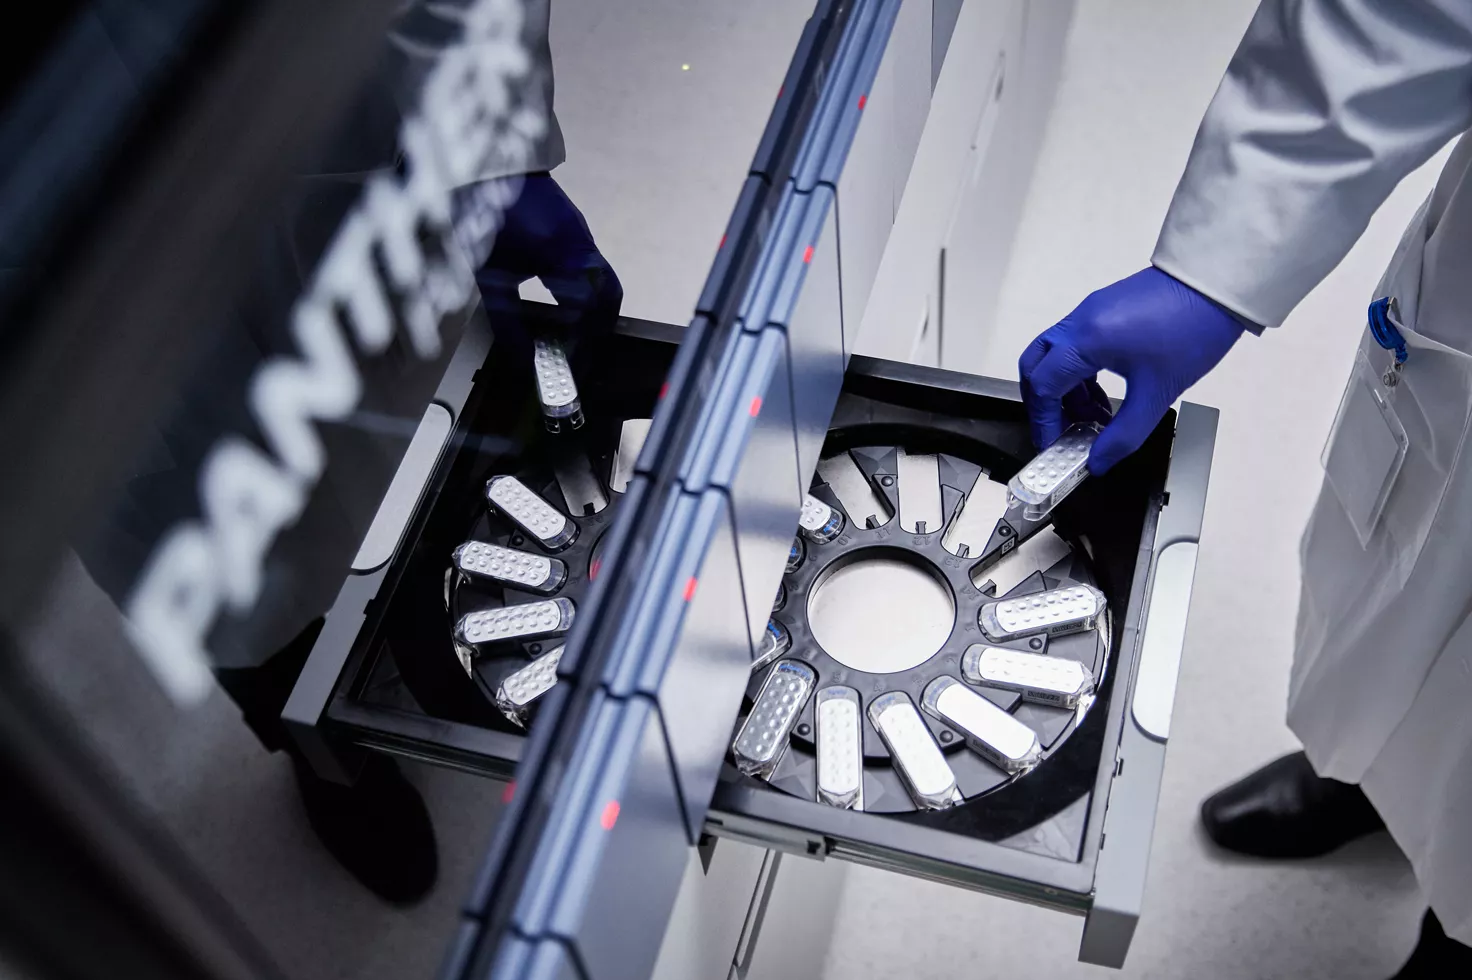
x=1385, y=329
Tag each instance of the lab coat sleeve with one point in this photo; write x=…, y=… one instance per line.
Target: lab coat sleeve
x=1326, y=105
x=424, y=29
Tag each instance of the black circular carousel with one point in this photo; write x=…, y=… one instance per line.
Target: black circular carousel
x=892, y=678
x=514, y=586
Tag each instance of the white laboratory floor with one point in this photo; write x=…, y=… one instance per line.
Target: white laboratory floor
x=1138, y=74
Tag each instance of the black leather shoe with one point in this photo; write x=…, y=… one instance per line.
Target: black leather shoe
x=1436, y=956
x=1286, y=810
x=378, y=828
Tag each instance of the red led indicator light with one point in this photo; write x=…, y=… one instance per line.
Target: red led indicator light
x=756, y=405
x=690, y=589
x=664, y=389
x=610, y=815
x=593, y=569
x=723, y=243
x=863, y=99
x=509, y=793
x=807, y=255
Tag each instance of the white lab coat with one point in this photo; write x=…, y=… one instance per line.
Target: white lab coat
x=1327, y=104
x=425, y=27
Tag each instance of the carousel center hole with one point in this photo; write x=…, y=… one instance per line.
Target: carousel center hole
x=881, y=611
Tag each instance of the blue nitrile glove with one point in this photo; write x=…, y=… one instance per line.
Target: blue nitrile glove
x=541, y=233
x=1154, y=331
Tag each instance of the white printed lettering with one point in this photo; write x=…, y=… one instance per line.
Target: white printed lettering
x=426, y=184
x=449, y=280
x=346, y=278
x=171, y=609
x=453, y=106
x=397, y=220
x=247, y=499
x=492, y=20
x=287, y=395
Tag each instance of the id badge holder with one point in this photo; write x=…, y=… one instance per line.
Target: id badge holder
x=1366, y=448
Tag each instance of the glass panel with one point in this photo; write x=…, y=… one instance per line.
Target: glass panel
x=243, y=251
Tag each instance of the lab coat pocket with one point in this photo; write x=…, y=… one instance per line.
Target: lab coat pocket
x=1374, y=611
x=1366, y=449
x=1431, y=403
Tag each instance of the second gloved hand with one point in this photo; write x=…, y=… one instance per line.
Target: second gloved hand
x=1154, y=331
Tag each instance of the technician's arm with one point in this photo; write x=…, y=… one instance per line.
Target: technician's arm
x=1325, y=107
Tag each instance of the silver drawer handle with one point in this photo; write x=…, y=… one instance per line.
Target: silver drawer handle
x=1165, y=634
x=384, y=534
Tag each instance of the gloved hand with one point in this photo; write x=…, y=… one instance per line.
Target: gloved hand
x=542, y=234
x=1154, y=331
